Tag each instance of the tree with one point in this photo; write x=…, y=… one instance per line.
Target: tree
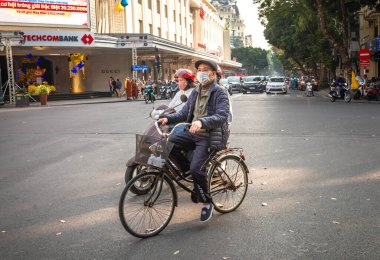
x=253, y=59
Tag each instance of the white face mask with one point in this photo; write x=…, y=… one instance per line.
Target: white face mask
x=202, y=77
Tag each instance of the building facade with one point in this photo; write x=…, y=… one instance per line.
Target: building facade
x=369, y=23
x=158, y=35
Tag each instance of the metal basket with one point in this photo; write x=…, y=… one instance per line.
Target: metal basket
x=152, y=151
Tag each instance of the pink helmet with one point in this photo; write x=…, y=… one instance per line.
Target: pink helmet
x=186, y=74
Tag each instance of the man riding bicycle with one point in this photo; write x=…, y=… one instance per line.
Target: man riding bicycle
x=207, y=110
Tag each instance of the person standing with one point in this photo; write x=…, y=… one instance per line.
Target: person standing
x=128, y=88
x=135, y=89
x=118, y=87
x=207, y=111
x=110, y=84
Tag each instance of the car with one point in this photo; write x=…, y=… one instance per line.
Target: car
x=252, y=84
x=224, y=83
x=235, y=83
x=276, y=85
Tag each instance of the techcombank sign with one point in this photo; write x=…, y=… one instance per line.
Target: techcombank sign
x=58, y=38
x=46, y=12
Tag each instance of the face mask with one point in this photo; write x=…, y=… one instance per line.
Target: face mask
x=202, y=77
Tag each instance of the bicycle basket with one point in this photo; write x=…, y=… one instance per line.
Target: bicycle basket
x=151, y=150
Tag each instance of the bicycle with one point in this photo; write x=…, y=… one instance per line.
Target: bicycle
x=147, y=212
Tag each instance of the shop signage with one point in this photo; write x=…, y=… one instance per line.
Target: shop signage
x=58, y=38
x=107, y=71
x=68, y=13
x=139, y=67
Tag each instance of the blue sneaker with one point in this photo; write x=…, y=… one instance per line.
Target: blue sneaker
x=206, y=213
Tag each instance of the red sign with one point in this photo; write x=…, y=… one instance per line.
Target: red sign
x=364, y=54
x=364, y=63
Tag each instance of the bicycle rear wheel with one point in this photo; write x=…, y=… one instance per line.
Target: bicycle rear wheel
x=228, y=183
x=146, y=215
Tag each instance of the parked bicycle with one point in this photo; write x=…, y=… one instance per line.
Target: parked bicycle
x=148, y=201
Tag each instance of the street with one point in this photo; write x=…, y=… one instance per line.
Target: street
x=313, y=162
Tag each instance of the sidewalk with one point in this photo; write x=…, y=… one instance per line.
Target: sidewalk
x=75, y=102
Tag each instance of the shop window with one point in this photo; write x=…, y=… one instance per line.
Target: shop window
x=141, y=27
x=158, y=6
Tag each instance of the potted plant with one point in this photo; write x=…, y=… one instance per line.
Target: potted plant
x=42, y=91
x=22, y=98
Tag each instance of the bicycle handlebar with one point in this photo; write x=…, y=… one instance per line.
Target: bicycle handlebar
x=166, y=135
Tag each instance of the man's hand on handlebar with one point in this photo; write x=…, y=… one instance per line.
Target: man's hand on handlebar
x=162, y=121
x=195, y=126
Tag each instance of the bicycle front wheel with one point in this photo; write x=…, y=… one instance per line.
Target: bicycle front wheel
x=146, y=215
x=228, y=183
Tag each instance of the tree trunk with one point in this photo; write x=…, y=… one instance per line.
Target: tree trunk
x=342, y=49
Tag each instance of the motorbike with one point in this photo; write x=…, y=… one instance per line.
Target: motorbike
x=373, y=91
x=309, y=89
x=149, y=95
x=344, y=94
x=173, y=90
x=361, y=91
x=164, y=92
x=133, y=167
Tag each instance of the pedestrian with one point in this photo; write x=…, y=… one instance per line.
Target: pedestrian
x=118, y=87
x=135, y=89
x=128, y=88
x=207, y=110
x=110, y=84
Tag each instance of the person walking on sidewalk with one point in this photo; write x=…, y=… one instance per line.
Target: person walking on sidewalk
x=110, y=84
x=118, y=87
x=207, y=110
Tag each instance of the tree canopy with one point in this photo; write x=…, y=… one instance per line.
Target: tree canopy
x=253, y=59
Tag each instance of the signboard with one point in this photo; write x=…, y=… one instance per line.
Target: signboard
x=58, y=38
x=71, y=13
x=139, y=67
x=364, y=63
x=364, y=54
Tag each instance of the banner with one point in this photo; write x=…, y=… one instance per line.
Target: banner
x=46, y=12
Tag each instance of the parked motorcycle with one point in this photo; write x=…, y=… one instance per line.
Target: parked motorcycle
x=309, y=89
x=149, y=95
x=173, y=89
x=134, y=168
x=164, y=92
x=361, y=91
x=373, y=91
x=339, y=91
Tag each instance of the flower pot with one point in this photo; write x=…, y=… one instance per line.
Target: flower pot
x=22, y=101
x=43, y=99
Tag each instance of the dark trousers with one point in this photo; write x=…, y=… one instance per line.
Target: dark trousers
x=186, y=141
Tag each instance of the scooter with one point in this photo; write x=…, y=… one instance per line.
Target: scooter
x=163, y=92
x=361, y=91
x=149, y=95
x=344, y=94
x=373, y=91
x=133, y=167
x=309, y=89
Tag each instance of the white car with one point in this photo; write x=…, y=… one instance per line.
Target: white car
x=276, y=85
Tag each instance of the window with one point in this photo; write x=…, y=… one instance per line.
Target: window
x=141, y=27
x=158, y=7
x=191, y=28
x=159, y=31
x=174, y=17
x=180, y=39
x=180, y=19
x=175, y=37
x=166, y=11
x=150, y=28
x=149, y=4
x=140, y=2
